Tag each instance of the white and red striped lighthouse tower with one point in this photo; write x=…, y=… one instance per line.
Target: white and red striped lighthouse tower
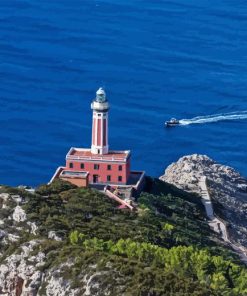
x=100, y=107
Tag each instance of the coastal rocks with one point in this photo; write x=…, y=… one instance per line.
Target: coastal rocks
x=19, y=214
x=21, y=271
x=54, y=283
x=2, y=234
x=228, y=189
x=92, y=283
x=53, y=235
x=4, y=196
x=59, y=286
x=12, y=219
x=18, y=272
x=33, y=227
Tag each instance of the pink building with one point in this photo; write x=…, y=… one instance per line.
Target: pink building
x=99, y=165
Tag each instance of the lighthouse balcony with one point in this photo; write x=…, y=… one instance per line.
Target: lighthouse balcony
x=100, y=106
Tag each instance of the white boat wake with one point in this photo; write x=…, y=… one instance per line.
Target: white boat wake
x=215, y=118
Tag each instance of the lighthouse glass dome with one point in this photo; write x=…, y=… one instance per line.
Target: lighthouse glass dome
x=100, y=95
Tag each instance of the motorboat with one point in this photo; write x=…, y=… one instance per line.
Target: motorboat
x=172, y=122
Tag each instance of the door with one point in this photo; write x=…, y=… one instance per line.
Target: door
x=95, y=178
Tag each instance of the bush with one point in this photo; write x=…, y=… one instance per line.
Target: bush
x=55, y=187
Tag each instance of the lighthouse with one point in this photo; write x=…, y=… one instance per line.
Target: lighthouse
x=100, y=107
x=99, y=165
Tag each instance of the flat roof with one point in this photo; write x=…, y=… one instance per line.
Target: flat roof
x=85, y=154
x=73, y=174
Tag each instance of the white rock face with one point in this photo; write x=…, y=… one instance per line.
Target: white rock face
x=12, y=237
x=18, y=274
x=33, y=227
x=19, y=214
x=4, y=196
x=2, y=234
x=56, y=285
x=91, y=284
x=60, y=287
x=53, y=235
x=226, y=185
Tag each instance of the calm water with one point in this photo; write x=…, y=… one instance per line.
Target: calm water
x=156, y=59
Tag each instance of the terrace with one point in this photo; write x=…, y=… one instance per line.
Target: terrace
x=85, y=154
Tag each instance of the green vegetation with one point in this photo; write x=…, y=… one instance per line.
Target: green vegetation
x=166, y=248
x=212, y=272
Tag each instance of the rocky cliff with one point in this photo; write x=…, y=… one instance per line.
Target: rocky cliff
x=20, y=266
x=228, y=189
x=62, y=240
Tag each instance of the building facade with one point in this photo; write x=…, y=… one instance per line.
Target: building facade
x=98, y=164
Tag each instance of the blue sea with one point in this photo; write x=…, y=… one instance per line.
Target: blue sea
x=156, y=60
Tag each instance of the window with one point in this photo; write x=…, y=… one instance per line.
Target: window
x=71, y=165
x=109, y=178
x=96, y=166
x=108, y=167
x=82, y=165
x=119, y=178
x=120, y=167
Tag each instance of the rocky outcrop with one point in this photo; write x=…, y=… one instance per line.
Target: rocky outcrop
x=228, y=189
x=19, y=214
x=12, y=219
x=53, y=235
x=19, y=274
x=22, y=271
